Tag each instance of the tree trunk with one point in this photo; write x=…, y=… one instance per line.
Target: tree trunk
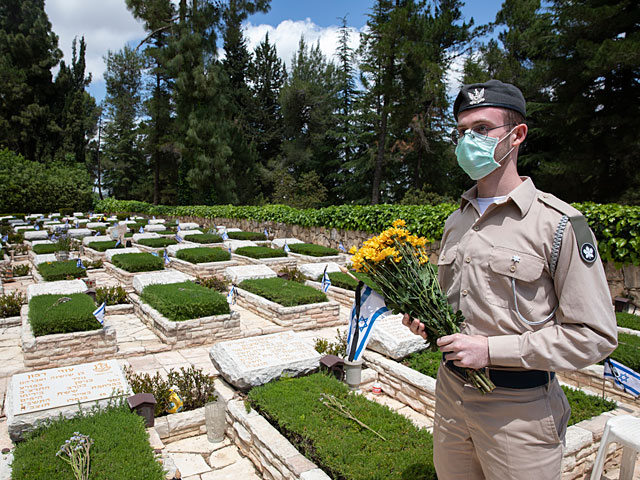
x=377, y=172
x=156, y=151
x=98, y=158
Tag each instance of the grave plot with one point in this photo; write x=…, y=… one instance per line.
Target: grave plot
x=288, y=304
x=46, y=394
x=258, y=237
x=343, y=287
x=259, y=255
x=58, y=270
x=204, y=239
x=58, y=326
x=95, y=247
x=126, y=263
x=42, y=247
x=154, y=244
x=180, y=312
x=310, y=253
x=10, y=306
x=202, y=261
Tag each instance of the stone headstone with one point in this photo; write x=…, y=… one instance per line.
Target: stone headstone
x=55, y=215
x=314, y=270
x=45, y=394
x=22, y=227
x=118, y=233
x=16, y=221
x=224, y=229
x=188, y=226
x=61, y=287
x=83, y=221
x=253, y=361
x=142, y=236
x=165, y=277
x=392, y=339
x=236, y=244
x=97, y=225
x=279, y=242
x=127, y=222
x=185, y=233
x=110, y=253
x=79, y=232
x=42, y=242
x=173, y=249
x=43, y=258
x=36, y=235
x=248, y=272
x=154, y=228
x=157, y=221
x=51, y=226
x=78, y=214
x=87, y=241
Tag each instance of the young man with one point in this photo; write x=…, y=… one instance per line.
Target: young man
x=523, y=268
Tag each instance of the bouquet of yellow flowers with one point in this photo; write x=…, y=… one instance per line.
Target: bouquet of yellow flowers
x=398, y=263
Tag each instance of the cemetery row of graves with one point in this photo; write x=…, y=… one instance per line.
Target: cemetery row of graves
x=265, y=311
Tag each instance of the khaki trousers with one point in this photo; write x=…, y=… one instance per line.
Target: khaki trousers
x=507, y=434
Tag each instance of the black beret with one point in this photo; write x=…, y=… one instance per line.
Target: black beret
x=493, y=93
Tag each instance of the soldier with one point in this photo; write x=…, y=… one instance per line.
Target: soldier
x=522, y=266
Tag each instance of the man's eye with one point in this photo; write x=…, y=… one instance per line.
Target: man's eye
x=481, y=129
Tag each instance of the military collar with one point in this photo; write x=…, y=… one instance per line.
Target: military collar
x=523, y=196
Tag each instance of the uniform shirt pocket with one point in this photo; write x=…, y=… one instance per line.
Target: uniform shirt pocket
x=506, y=265
x=447, y=267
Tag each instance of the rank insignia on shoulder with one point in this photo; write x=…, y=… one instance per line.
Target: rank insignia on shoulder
x=588, y=252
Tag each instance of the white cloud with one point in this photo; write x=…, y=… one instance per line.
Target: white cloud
x=105, y=25
x=286, y=37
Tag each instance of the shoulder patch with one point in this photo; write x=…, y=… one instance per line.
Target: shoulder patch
x=557, y=204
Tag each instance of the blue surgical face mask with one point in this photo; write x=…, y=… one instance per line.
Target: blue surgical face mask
x=476, y=152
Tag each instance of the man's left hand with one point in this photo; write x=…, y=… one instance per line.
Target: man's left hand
x=467, y=351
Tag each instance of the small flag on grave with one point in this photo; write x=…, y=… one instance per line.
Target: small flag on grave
x=117, y=243
x=155, y=254
x=326, y=281
x=266, y=233
x=286, y=248
x=37, y=227
x=166, y=258
x=231, y=296
x=225, y=236
x=99, y=313
x=622, y=376
x=141, y=229
x=178, y=238
x=79, y=263
x=178, y=228
x=367, y=308
x=341, y=247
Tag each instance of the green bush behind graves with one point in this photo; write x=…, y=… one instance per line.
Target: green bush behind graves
x=260, y=252
x=44, y=248
x=137, y=262
x=111, y=295
x=50, y=314
x=203, y=238
x=247, y=235
x=628, y=320
x=103, y=246
x=615, y=226
x=284, y=292
x=185, y=301
x=30, y=186
x=312, y=250
x=120, y=450
x=11, y=303
x=203, y=255
x=157, y=242
x=53, y=271
x=339, y=445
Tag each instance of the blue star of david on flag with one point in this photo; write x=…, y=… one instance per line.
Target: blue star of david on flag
x=622, y=376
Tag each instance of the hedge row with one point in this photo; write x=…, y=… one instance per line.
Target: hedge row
x=617, y=227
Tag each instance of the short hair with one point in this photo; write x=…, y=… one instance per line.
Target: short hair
x=511, y=117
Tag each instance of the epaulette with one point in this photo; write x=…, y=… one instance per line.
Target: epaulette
x=581, y=230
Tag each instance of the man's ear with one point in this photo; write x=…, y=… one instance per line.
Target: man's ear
x=520, y=132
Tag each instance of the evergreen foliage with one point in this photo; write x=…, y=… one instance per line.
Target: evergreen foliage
x=284, y=292
x=185, y=301
x=312, y=250
x=137, y=262
x=53, y=271
x=260, y=252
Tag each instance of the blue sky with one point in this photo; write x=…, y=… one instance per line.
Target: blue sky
x=108, y=25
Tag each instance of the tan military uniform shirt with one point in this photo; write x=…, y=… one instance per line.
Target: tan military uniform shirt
x=481, y=254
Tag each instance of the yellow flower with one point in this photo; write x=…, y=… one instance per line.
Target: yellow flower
x=353, y=250
x=399, y=223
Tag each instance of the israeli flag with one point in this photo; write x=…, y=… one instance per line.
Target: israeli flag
x=99, y=313
x=5, y=239
x=229, y=249
x=372, y=307
x=154, y=217
x=622, y=376
x=77, y=224
x=155, y=254
x=166, y=258
x=266, y=233
x=37, y=227
x=126, y=219
x=117, y=243
x=178, y=238
x=79, y=263
x=141, y=229
x=341, y=247
x=96, y=234
x=225, y=236
x=326, y=281
x=286, y=248
x=231, y=296
x=178, y=228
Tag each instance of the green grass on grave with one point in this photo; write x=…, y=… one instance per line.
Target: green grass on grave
x=203, y=255
x=44, y=248
x=312, y=250
x=628, y=320
x=138, y=262
x=103, y=246
x=259, y=236
x=157, y=242
x=203, y=238
x=284, y=292
x=49, y=314
x=260, y=252
x=185, y=301
x=53, y=271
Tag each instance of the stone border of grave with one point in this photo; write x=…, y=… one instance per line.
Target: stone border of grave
x=187, y=333
x=344, y=297
x=201, y=269
x=60, y=349
x=94, y=255
x=10, y=322
x=119, y=309
x=339, y=259
x=300, y=317
x=417, y=391
x=125, y=278
x=275, y=263
x=181, y=425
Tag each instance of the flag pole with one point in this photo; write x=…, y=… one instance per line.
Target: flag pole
x=356, y=330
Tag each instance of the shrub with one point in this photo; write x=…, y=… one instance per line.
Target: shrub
x=214, y=283
x=185, y=301
x=20, y=270
x=284, y=292
x=247, y=236
x=94, y=264
x=50, y=314
x=203, y=238
x=337, y=443
x=120, y=450
x=337, y=348
x=312, y=250
x=44, y=248
x=66, y=212
x=203, y=255
x=292, y=274
x=260, y=252
x=194, y=387
x=628, y=320
x=138, y=262
x=53, y=271
x=111, y=295
x=157, y=242
x=41, y=187
x=424, y=361
x=585, y=406
x=11, y=303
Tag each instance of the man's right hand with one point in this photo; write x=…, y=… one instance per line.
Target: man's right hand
x=416, y=326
